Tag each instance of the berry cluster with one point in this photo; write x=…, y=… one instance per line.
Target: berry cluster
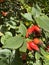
x=33, y=29
x=33, y=44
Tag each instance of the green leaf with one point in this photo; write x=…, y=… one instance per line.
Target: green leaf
x=37, y=62
x=24, y=47
x=43, y=52
x=30, y=62
x=5, y=37
x=17, y=60
x=22, y=29
x=37, y=56
x=36, y=11
x=8, y=33
x=13, y=42
x=43, y=22
x=30, y=55
x=46, y=34
x=46, y=62
x=2, y=62
x=22, y=1
x=38, y=8
x=27, y=16
x=4, y=56
x=5, y=52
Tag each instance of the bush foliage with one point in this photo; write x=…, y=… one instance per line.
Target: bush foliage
x=17, y=21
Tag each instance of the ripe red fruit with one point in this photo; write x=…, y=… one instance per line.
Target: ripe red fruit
x=36, y=41
x=32, y=29
x=37, y=29
x=4, y=13
x=33, y=46
x=28, y=46
x=29, y=31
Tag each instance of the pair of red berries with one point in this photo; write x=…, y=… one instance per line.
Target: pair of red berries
x=33, y=29
x=33, y=45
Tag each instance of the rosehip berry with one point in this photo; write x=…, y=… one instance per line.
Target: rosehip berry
x=33, y=46
x=28, y=46
x=36, y=41
x=29, y=31
x=32, y=29
x=37, y=29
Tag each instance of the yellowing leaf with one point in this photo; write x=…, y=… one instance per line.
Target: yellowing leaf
x=1, y=33
x=47, y=56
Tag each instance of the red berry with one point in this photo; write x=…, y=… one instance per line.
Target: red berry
x=28, y=46
x=33, y=46
x=32, y=29
x=36, y=41
x=29, y=31
x=37, y=29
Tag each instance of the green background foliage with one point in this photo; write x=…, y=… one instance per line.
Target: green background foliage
x=22, y=14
